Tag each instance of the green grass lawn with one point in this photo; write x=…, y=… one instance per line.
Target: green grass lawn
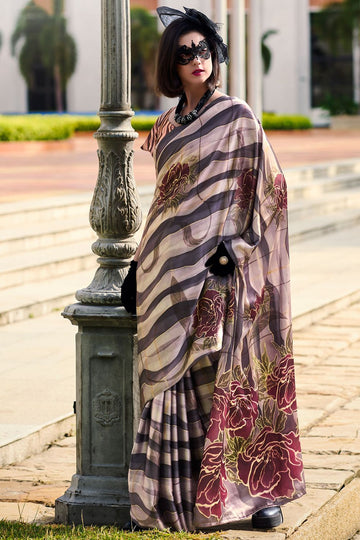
x=17, y=530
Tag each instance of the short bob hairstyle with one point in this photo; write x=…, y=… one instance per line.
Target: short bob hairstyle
x=168, y=81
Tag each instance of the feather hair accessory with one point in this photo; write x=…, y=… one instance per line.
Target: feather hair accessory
x=167, y=15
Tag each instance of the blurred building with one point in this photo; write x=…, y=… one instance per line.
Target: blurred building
x=294, y=84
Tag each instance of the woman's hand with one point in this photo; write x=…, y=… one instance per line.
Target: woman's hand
x=128, y=289
x=221, y=264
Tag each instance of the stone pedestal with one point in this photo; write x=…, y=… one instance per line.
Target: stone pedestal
x=106, y=416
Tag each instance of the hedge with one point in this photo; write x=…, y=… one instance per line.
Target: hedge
x=55, y=127
x=35, y=128
x=285, y=122
x=91, y=123
x=84, y=123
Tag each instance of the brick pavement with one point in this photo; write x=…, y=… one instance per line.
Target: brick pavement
x=328, y=387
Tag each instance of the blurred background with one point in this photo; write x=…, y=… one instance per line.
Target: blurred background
x=310, y=54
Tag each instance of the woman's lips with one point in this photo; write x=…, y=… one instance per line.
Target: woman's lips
x=197, y=72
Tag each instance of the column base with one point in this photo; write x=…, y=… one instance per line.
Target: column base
x=94, y=500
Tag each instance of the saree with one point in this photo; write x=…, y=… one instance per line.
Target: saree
x=218, y=437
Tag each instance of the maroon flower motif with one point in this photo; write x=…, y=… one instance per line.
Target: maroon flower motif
x=209, y=314
x=245, y=191
x=281, y=384
x=258, y=304
x=236, y=411
x=270, y=465
x=211, y=491
x=242, y=410
x=280, y=191
x=173, y=184
x=218, y=414
x=231, y=305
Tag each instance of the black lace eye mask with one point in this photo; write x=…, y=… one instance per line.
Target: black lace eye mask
x=186, y=54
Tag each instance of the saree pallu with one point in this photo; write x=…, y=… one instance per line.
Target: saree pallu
x=218, y=437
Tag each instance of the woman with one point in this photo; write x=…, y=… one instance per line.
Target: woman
x=218, y=438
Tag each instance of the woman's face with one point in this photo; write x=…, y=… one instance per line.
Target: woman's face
x=194, y=63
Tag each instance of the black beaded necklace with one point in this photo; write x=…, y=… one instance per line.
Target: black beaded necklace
x=192, y=115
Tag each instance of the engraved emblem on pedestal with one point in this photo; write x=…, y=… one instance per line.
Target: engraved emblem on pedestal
x=106, y=407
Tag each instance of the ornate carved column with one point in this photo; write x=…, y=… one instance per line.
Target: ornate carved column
x=115, y=210
x=106, y=380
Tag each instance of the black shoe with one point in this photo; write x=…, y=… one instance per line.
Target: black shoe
x=132, y=526
x=267, y=518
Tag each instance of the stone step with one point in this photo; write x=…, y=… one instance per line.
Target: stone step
x=55, y=260
x=305, y=182
x=61, y=229
x=42, y=296
x=44, y=209
x=318, y=187
x=315, y=171
x=45, y=261
x=49, y=209
x=28, y=301
x=19, y=235
x=318, y=225
x=326, y=204
x=45, y=234
x=39, y=235
x=45, y=264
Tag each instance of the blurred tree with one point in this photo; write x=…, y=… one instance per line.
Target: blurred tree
x=265, y=51
x=341, y=27
x=59, y=51
x=47, y=48
x=144, y=41
x=343, y=17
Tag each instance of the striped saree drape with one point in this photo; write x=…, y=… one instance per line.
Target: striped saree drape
x=218, y=437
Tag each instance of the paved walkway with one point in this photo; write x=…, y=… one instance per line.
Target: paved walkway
x=328, y=388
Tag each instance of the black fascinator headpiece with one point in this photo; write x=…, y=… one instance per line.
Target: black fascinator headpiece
x=167, y=15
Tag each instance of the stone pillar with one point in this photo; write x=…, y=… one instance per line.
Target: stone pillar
x=220, y=17
x=254, y=58
x=303, y=57
x=237, y=43
x=106, y=382
x=356, y=63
